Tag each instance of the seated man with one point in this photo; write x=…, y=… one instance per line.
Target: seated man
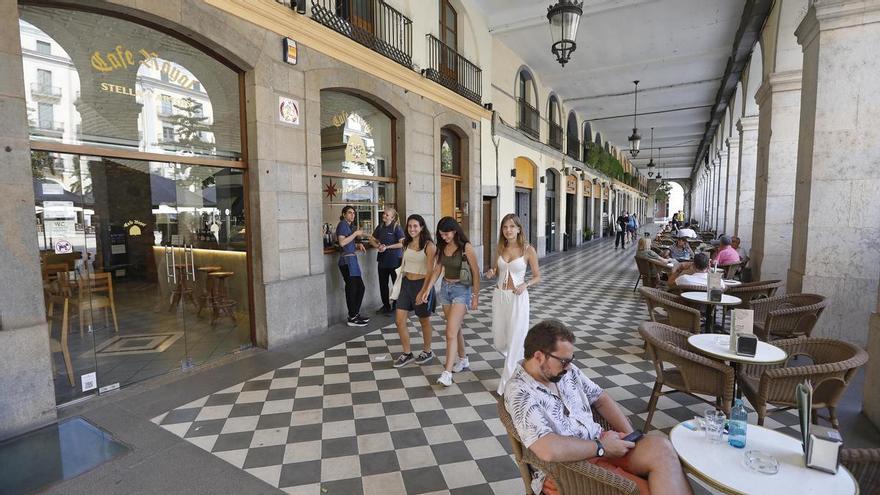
x=735, y=243
x=726, y=254
x=550, y=402
x=687, y=231
x=681, y=250
x=695, y=273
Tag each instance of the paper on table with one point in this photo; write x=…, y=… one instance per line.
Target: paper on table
x=741, y=321
x=804, y=397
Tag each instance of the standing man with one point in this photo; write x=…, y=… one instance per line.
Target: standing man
x=551, y=403
x=620, y=230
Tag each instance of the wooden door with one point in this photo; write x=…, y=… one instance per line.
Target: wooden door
x=448, y=201
x=361, y=14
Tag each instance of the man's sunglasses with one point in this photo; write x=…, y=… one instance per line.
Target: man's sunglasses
x=563, y=362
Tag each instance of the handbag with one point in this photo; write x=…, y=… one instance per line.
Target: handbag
x=398, y=280
x=464, y=273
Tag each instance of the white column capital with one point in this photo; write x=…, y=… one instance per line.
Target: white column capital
x=749, y=123
x=776, y=82
x=733, y=142
x=836, y=14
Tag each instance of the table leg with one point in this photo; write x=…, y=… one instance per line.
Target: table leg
x=710, y=318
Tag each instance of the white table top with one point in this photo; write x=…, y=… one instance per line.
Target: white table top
x=723, y=466
x=703, y=297
x=718, y=346
x=731, y=283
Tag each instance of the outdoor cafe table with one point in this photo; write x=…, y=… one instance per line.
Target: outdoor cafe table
x=718, y=347
x=703, y=298
x=723, y=467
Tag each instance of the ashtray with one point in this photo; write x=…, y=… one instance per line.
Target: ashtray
x=761, y=462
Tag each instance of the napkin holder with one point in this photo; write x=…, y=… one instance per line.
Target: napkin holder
x=823, y=453
x=715, y=295
x=746, y=344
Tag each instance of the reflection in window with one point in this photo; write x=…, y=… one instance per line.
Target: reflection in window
x=356, y=141
x=450, y=170
x=121, y=88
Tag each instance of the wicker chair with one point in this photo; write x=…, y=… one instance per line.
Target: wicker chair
x=864, y=464
x=692, y=373
x=675, y=312
x=732, y=270
x=786, y=316
x=649, y=271
x=572, y=478
x=834, y=362
x=752, y=291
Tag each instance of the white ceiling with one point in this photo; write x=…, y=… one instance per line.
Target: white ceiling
x=677, y=49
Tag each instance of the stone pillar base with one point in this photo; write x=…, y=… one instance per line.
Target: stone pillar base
x=871, y=395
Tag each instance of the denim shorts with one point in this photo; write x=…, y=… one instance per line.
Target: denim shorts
x=454, y=293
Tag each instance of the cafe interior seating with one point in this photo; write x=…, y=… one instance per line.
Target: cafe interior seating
x=683, y=370
x=787, y=316
x=572, y=478
x=670, y=309
x=829, y=364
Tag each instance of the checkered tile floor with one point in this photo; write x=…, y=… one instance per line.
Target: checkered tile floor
x=344, y=421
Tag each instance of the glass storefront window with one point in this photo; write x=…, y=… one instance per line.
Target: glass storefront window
x=93, y=79
x=356, y=141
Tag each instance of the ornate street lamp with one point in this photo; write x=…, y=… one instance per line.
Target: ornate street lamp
x=564, y=18
x=635, y=139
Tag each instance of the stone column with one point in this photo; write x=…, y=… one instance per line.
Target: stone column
x=730, y=186
x=745, y=186
x=27, y=394
x=837, y=205
x=779, y=101
x=721, y=189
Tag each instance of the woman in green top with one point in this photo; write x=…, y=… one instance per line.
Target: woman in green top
x=453, y=250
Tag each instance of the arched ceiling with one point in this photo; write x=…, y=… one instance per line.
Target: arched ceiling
x=678, y=49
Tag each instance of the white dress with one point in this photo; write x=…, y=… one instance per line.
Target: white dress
x=510, y=316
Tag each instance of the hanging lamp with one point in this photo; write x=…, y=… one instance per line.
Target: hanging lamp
x=564, y=18
x=635, y=139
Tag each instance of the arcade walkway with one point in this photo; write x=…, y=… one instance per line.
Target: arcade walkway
x=335, y=417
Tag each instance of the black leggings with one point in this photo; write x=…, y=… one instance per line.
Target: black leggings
x=384, y=275
x=619, y=239
x=354, y=292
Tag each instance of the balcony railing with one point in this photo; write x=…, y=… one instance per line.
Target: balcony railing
x=528, y=118
x=447, y=67
x=573, y=148
x=45, y=125
x=372, y=23
x=555, y=136
x=39, y=89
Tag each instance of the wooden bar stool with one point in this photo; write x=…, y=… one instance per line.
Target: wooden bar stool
x=221, y=303
x=205, y=296
x=182, y=289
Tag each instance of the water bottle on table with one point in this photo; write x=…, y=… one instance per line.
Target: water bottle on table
x=738, y=423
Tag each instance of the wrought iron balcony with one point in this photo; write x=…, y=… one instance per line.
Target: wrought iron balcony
x=372, y=23
x=47, y=90
x=447, y=67
x=573, y=148
x=528, y=118
x=555, y=136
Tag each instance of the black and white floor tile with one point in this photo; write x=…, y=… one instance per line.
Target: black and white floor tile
x=344, y=421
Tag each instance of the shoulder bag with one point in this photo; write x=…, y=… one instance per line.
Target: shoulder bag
x=464, y=273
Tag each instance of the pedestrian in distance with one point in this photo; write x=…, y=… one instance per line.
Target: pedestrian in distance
x=348, y=237
x=620, y=231
x=458, y=291
x=387, y=238
x=415, y=290
x=510, y=299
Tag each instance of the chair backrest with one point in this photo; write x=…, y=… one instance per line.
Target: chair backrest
x=752, y=291
x=649, y=279
x=678, y=314
x=864, y=464
x=795, y=315
x=731, y=269
x=100, y=282
x=515, y=444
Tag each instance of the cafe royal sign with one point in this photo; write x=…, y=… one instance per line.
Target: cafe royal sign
x=123, y=58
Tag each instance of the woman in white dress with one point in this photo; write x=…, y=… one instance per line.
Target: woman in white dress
x=510, y=299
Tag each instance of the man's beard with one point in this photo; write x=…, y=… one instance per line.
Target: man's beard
x=557, y=378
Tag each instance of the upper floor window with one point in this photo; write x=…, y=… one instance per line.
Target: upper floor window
x=44, y=47
x=448, y=25
x=526, y=90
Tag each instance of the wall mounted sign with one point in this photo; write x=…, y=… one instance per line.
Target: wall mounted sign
x=115, y=88
x=134, y=227
x=288, y=111
x=571, y=184
x=63, y=247
x=290, y=51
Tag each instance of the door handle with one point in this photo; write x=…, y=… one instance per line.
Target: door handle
x=168, y=264
x=173, y=267
x=192, y=263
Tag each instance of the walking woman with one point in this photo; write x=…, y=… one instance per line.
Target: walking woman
x=349, y=241
x=388, y=241
x=460, y=289
x=510, y=299
x=416, y=290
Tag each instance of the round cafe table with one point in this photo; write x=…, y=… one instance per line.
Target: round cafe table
x=723, y=467
x=718, y=347
x=703, y=298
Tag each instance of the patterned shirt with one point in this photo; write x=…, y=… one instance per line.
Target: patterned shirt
x=537, y=412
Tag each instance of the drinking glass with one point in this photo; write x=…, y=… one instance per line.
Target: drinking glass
x=714, y=425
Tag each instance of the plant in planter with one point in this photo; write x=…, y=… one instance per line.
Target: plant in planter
x=588, y=234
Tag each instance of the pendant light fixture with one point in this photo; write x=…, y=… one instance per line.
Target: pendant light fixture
x=564, y=18
x=635, y=139
x=659, y=176
x=651, y=161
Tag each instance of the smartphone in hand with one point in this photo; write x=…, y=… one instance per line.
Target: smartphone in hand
x=634, y=437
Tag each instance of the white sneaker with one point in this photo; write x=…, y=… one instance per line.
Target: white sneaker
x=445, y=379
x=461, y=365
